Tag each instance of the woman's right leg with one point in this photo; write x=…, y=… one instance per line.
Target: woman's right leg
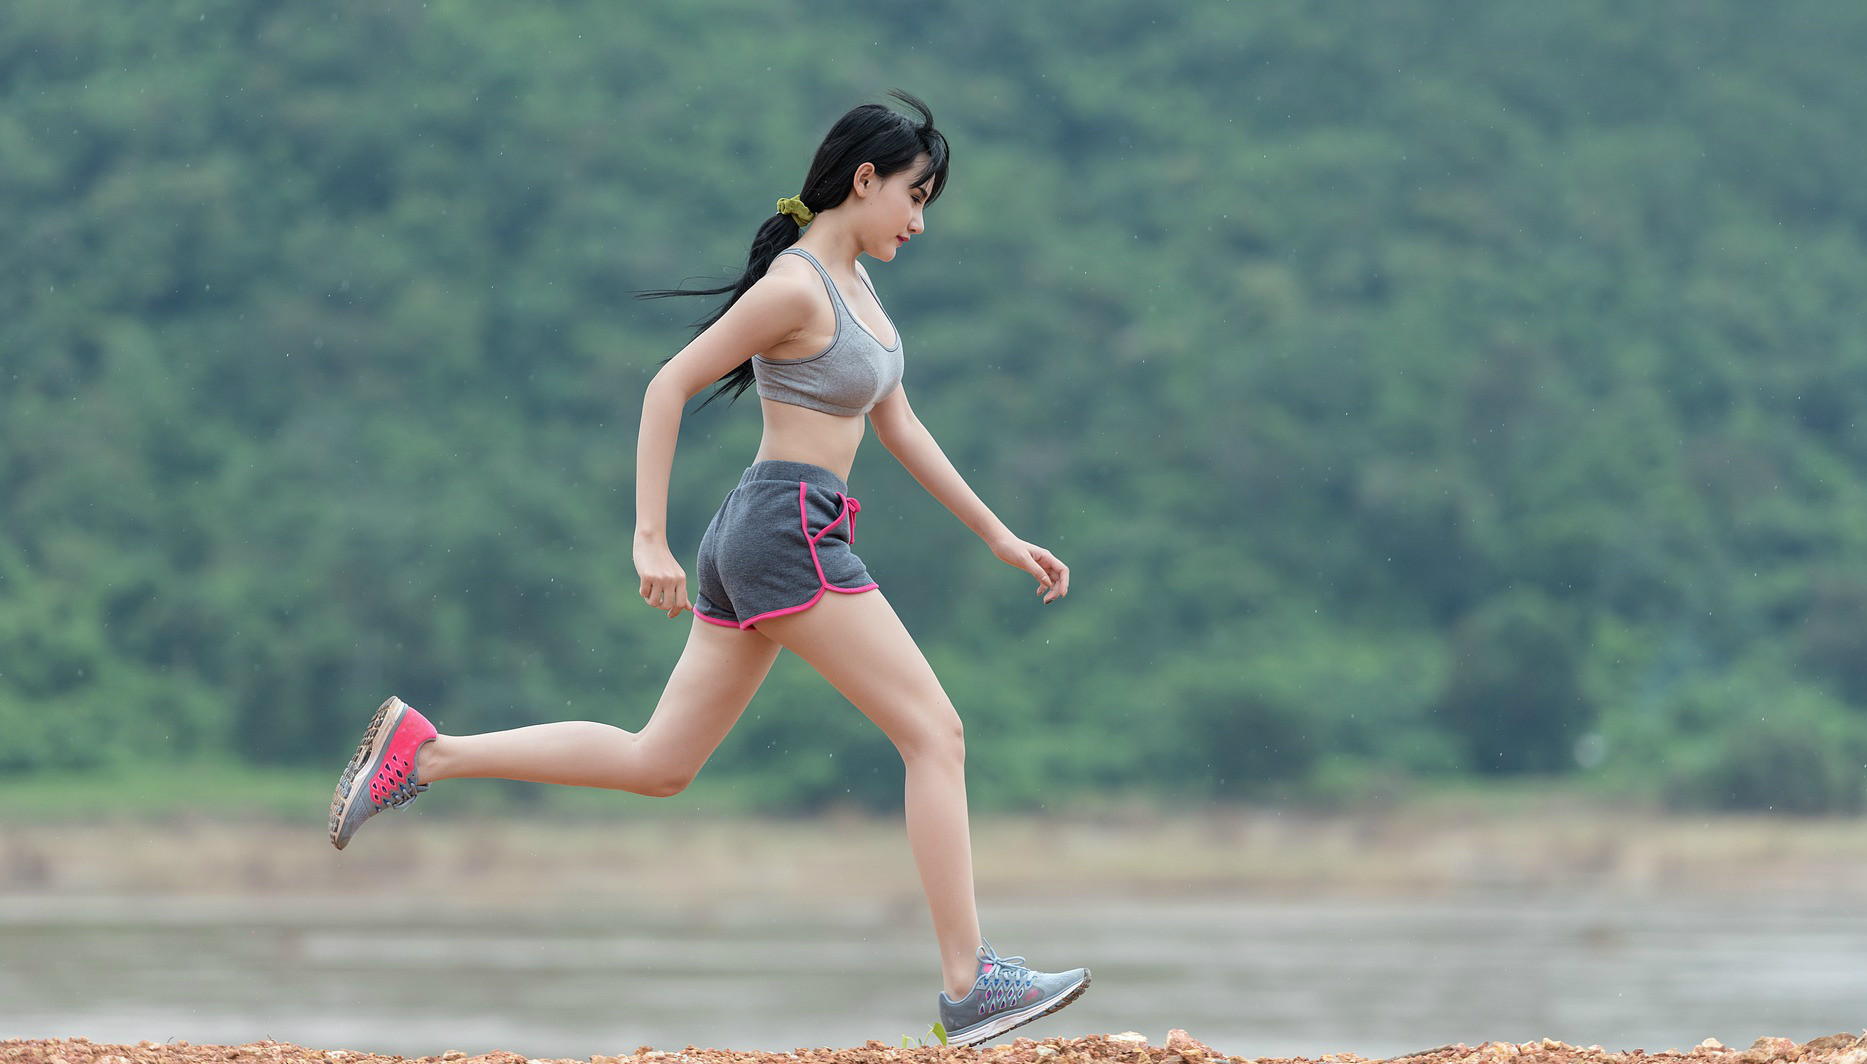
x=717, y=674
x=859, y=644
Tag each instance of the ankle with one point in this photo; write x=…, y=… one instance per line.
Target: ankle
x=431, y=761
x=964, y=985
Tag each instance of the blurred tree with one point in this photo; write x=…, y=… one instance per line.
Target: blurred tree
x=1514, y=693
x=1398, y=382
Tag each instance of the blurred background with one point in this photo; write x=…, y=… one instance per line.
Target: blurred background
x=1450, y=412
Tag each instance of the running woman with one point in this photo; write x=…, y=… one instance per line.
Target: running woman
x=775, y=568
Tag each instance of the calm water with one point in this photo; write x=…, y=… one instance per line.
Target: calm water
x=1252, y=978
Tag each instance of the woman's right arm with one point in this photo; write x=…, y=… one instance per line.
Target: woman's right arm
x=770, y=313
x=664, y=584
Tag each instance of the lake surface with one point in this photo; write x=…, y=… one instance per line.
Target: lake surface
x=1249, y=977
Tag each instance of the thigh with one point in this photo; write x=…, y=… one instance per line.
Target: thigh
x=719, y=671
x=860, y=646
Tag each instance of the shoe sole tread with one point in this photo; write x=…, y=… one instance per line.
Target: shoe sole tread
x=367, y=752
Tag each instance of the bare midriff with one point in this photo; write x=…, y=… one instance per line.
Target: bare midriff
x=800, y=434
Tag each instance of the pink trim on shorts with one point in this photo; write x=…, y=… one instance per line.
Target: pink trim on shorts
x=850, y=509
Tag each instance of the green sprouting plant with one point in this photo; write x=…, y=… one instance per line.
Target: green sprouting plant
x=937, y=1032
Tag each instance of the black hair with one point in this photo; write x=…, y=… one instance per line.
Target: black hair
x=871, y=133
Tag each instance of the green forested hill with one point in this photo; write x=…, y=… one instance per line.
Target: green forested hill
x=1414, y=389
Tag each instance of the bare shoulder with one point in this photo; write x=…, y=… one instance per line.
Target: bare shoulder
x=794, y=310
x=783, y=299
x=788, y=282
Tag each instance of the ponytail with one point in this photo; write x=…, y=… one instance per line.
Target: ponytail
x=871, y=133
x=778, y=232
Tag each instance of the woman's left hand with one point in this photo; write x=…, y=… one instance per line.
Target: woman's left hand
x=1053, y=577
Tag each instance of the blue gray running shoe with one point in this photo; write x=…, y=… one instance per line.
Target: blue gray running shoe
x=1006, y=995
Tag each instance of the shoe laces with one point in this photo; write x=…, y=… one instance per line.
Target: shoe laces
x=1004, y=983
x=405, y=793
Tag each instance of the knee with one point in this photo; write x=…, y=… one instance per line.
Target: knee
x=942, y=738
x=653, y=769
x=666, y=785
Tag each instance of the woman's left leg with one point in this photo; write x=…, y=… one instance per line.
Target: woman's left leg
x=719, y=671
x=714, y=679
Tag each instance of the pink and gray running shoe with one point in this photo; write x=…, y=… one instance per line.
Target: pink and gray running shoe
x=382, y=774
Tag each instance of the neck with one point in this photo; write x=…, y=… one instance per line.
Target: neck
x=831, y=243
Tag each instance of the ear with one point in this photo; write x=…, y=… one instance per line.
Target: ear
x=864, y=180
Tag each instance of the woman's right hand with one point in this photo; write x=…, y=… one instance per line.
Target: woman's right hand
x=664, y=582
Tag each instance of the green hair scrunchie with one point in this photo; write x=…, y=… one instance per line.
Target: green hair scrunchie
x=795, y=208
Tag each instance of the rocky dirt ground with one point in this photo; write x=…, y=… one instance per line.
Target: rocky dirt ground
x=1421, y=853
x=1127, y=1048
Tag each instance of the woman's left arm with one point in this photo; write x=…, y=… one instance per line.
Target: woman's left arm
x=917, y=451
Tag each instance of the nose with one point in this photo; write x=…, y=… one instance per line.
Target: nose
x=918, y=223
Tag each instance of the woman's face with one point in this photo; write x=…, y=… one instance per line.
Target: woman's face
x=893, y=210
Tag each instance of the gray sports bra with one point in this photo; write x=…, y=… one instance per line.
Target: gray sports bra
x=848, y=377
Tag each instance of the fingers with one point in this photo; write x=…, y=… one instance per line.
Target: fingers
x=667, y=593
x=1053, y=577
x=1060, y=582
x=664, y=582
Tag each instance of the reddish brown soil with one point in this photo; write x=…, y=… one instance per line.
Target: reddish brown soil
x=1116, y=1049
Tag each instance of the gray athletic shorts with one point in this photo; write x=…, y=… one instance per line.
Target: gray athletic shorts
x=780, y=541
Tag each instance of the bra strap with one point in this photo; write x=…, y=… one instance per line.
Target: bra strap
x=836, y=297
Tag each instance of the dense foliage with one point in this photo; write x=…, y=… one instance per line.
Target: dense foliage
x=1414, y=389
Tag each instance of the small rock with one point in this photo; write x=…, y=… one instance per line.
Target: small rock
x=1131, y=1038
x=1046, y=1051
x=1186, y=1045
x=1768, y=1048
x=454, y=1054
x=1765, y=1050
